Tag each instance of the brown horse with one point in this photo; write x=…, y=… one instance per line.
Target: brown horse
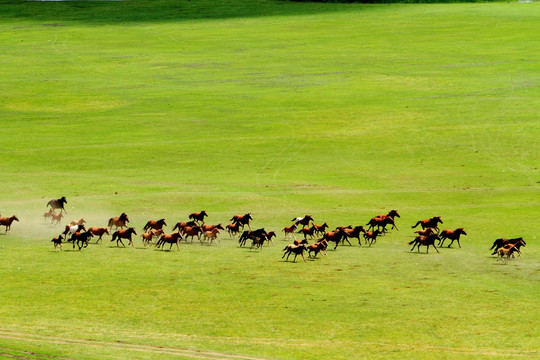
x=77, y=222
x=425, y=232
x=124, y=234
x=320, y=229
x=58, y=204
x=80, y=238
x=355, y=232
x=517, y=247
x=57, y=242
x=154, y=224
x=182, y=224
x=317, y=247
x=381, y=223
x=242, y=220
x=499, y=243
x=118, y=222
x=211, y=235
x=192, y=231
x=371, y=236
x=48, y=214
x=307, y=232
x=451, y=235
x=304, y=221
x=56, y=217
x=432, y=223
x=252, y=234
x=233, y=229
x=173, y=238
x=98, y=231
x=290, y=231
x=335, y=236
x=6, y=221
x=296, y=250
x=207, y=227
x=425, y=241
x=198, y=216
x=392, y=214
x=73, y=229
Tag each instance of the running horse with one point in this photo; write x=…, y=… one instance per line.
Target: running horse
x=58, y=204
x=155, y=224
x=426, y=241
x=123, y=234
x=432, y=223
x=198, y=216
x=6, y=221
x=304, y=221
x=242, y=220
x=451, y=235
x=118, y=222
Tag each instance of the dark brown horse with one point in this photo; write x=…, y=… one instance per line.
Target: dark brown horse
x=320, y=229
x=335, y=236
x=173, y=238
x=499, y=243
x=124, y=234
x=58, y=204
x=80, y=238
x=6, y=221
x=296, y=250
x=198, y=216
x=451, y=235
x=425, y=241
x=118, y=222
x=233, y=229
x=432, y=223
x=307, y=232
x=98, y=231
x=57, y=242
x=251, y=235
x=242, y=220
x=392, y=213
x=381, y=223
x=355, y=233
x=304, y=221
x=371, y=236
x=154, y=224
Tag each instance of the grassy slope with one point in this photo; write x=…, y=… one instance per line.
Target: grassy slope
x=342, y=111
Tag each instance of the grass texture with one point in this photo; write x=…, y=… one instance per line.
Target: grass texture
x=341, y=111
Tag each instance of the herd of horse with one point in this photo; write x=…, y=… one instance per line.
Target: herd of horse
x=80, y=236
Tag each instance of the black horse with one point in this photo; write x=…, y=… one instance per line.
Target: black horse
x=58, y=204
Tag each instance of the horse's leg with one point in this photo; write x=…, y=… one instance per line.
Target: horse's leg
x=451, y=242
x=458, y=243
x=435, y=247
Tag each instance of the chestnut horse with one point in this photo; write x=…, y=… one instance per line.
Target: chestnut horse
x=296, y=249
x=290, y=231
x=426, y=241
x=48, y=214
x=355, y=233
x=6, y=221
x=118, y=222
x=173, y=238
x=198, y=216
x=154, y=224
x=320, y=229
x=123, y=234
x=335, y=236
x=307, y=232
x=206, y=227
x=211, y=235
x=192, y=231
x=242, y=220
x=371, y=236
x=451, y=235
x=432, y=223
x=98, y=231
x=182, y=224
x=233, y=229
x=56, y=217
x=58, y=204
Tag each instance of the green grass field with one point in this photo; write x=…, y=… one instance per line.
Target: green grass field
x=281, y=109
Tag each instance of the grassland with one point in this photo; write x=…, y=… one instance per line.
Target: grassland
x=342, y=111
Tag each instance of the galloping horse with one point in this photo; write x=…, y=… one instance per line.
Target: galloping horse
x=296, y=249
x=56, y=217
x=355, y=233
x=426, y=241
x=381, y=223
x=192, y=231
x=432, y=223
x=499, y=243
x=198, y=216
x=154, y=224
x=242, y=220
x=77, y=222
x=207, y=227
x=73, y=229
x=371, y=236
x=307, y=232
x=6, y=221
x=304, y=221
x=118, y=222
x=335, y=236
x=182, y=224
x=233, y=229
x=290, y=231
x=98, y=231
x=320, y=229
x=173, y=238
x=123, y=234
x=58, y=204
x=81, y=238
x=451, y=235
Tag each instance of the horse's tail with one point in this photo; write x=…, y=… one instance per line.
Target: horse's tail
x=494, y=244
x=418, y=223
x=114, y=235
x=412, y=242
x=49, y=203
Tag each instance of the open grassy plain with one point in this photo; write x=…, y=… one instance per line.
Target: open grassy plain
x=342, y=111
